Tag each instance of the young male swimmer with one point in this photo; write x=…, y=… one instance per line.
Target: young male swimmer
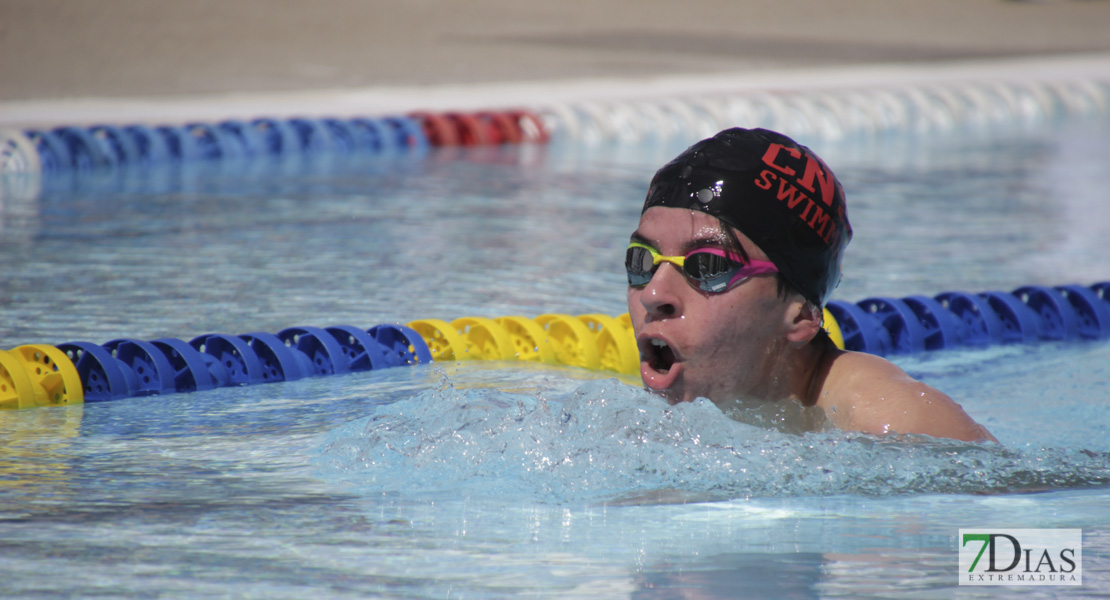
x=739, y=245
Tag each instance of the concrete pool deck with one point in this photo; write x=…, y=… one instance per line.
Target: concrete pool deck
x=161, y=60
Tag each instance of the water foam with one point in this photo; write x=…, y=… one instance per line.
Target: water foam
x=606, y=441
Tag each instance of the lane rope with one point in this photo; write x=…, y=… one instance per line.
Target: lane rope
x=38, y=375
x=929, y=107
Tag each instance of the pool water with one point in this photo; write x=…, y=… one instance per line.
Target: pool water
x=501, y=479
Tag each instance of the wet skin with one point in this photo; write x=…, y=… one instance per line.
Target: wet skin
x=717, y=345
x=752, y=344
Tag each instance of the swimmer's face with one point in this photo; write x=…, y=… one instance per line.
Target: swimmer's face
x=695, y=344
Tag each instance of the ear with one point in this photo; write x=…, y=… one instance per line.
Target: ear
x=802, y=321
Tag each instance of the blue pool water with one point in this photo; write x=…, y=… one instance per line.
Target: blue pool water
x=499, y=479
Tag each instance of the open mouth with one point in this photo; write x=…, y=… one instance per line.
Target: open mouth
x=660, y=356
x=660, y=364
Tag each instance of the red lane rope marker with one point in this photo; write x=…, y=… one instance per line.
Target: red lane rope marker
x=437, y=128
x=483, y=128
x=471, y=130
x=505, y=129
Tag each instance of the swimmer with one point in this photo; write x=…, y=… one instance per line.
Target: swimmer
x=738, y=248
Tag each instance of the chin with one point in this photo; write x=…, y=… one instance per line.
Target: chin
x=671, y=395
x=677, y=396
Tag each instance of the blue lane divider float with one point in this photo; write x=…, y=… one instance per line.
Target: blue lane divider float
x=109, y=146
x=887, y=326
x=106, y=146
x=125, y=368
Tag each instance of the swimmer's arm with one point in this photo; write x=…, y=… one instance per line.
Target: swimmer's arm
x=877, y=397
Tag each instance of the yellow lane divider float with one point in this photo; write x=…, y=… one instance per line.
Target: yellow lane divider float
x=38, y=375
x=591, y=341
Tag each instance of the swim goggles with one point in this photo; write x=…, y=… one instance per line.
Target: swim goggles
x=709, y=269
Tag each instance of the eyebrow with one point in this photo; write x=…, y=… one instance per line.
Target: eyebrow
x=718, y=241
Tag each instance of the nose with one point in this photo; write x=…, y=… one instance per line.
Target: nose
x=660, y=297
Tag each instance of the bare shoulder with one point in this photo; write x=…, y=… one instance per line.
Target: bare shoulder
x=863, y=392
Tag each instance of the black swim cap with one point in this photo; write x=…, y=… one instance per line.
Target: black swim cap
x=775, y=191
